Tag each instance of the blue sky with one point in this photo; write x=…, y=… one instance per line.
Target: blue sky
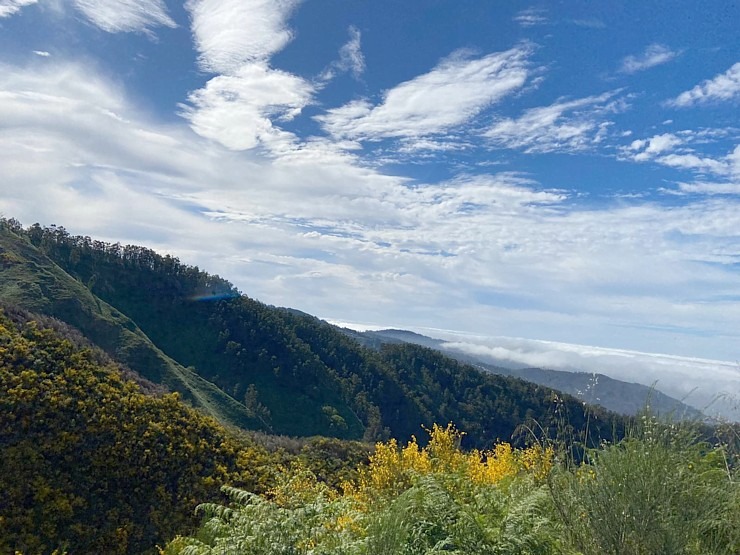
x=566, y=172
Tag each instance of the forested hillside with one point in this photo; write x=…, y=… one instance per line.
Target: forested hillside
x=285, y=372
x=97, y=457
x=91, y=463
x=30, y=280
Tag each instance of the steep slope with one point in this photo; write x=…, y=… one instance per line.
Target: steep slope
x=89, y=462
x=591, y=387
x=292, y=373
x=249, y=349
x=30, y=280
x=487, y=405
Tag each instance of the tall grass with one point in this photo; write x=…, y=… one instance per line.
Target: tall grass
x=661, y=490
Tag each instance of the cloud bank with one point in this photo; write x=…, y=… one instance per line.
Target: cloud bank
x=709, y=385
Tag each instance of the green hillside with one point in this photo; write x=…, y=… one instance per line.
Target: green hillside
x=258, y=366
x=30, y=280
x=92, y=464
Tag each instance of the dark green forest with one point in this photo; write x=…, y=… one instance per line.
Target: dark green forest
x=274, y=369
x=133, y=386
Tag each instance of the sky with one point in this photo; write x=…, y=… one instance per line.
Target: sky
x=560, y=172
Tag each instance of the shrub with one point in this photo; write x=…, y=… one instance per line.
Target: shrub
x=660, y=490
x=408, y=501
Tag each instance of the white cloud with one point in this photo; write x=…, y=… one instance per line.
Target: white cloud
x=230, y=33
x=693, y=162
x=448, y=96
x=315, y=230
x=589, y=23
x=677, y=150
x=723, y=87
x=350, y=55
x=350, y=58
x=709, y=188
x=10, y=7
x=564, y=126
x=531, y=17
x=734, y=160
x=654, y=55
x=117, y=16
x=699, y=382
x=653, y=146
x=240, y=107
x=42, y=53
x=237, y=110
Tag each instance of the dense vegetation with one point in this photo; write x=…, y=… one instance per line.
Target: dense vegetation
x=660, y=491
x=28, y=279
x=285, y=372
x=97, y=458
x=96, y=463
x=91, y=462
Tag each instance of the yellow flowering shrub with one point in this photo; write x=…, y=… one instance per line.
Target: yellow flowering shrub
x=393, y=469
x=297, y=486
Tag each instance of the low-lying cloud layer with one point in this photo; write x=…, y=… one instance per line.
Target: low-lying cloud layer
x=709, y=385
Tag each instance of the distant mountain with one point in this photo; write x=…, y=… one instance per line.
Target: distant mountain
x=256, y=366
x=593, y=388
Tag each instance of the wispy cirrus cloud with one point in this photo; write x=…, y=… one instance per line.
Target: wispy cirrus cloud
x=112, y=16
x=350, y=59
x=654, y=55
x=121, y=16
x=532, y=17
x=721, y=88
x=589, y=23
x=455, y=91
x=564, y=126
x=240, y=107
x=11, y=7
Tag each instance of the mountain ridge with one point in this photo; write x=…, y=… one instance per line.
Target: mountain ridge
x=622, y=397
x=275, y=369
